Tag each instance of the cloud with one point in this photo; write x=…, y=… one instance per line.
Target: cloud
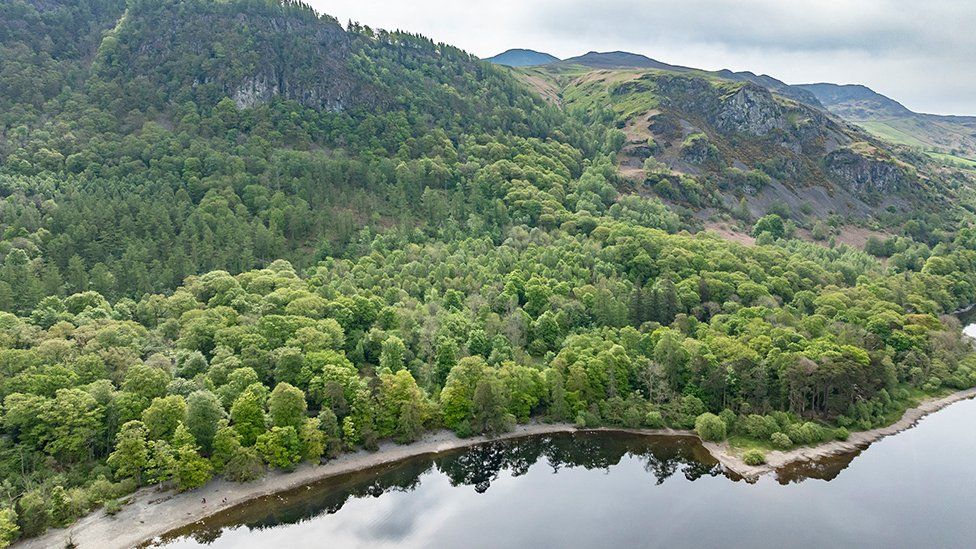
x=920, y=53
x=876, y=26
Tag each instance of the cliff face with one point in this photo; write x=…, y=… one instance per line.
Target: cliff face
x=751, y=110
x=864, y=174
x=204, y=51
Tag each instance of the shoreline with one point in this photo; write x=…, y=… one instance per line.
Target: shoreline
x=153, y=513
x=858, y=440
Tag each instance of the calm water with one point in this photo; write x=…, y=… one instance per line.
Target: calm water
x=968, y=320
x=916, y=489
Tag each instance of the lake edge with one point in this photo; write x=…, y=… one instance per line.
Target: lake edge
x=139, y=522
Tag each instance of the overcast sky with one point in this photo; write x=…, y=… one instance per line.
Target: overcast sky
x=919, y=52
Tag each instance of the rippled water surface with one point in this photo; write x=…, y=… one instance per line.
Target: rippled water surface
x=916, y=489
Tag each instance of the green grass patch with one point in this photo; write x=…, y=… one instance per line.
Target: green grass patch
x=627, y=93
x=957, y=161
x=744, y=443
x=890, y=133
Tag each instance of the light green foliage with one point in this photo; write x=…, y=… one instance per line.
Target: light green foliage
x=231, y=459
x=350, y=432
x=162, y=462
x=163, y=415
x=148, y=382
x=131, y=454
x=190, y=469
x=457, y=397
x=112, y=507
x=8, y=526
x=61, y=507
x=771, y=225
x=710, y=427
x=226, y=444
x=525, y=387
x=754, y=457
x=247, y=415
x=691, y=410
x=237, y=381
x=312, y=440
x=280, y=447
x=34, y=513
x=392, y=356
x=759, y=427
x=75, y=419
x=402, y=409
x=654, y=420
x=781, y=441
x=286, y=406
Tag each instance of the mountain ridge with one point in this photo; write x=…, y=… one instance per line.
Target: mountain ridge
x=521, y=57
x=622, y=60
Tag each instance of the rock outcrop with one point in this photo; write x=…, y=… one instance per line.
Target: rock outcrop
x=752, y=110
x=865, y=175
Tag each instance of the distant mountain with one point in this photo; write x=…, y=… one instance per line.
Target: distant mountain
x=620, y=60
x=522, y=58
x=889, y=119
x=855, y=102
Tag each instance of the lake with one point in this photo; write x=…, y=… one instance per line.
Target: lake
x=915, y=489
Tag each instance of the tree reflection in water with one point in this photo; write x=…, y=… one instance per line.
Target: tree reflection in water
x=478, y=466
x=825, y=468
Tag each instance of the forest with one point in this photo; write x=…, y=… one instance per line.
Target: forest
x=194, y=285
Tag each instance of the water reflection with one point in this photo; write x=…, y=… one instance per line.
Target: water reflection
x=477, y=467
x=825, y=468
x=607, y=490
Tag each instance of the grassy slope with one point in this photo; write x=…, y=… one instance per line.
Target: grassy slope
x=926, y=135
x=889, y=130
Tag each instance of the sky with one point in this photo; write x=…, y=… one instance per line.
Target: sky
x=919, y=52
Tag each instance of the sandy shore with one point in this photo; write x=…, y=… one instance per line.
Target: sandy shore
x=152, y=513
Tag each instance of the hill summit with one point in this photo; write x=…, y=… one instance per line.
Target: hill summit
x=518, y=57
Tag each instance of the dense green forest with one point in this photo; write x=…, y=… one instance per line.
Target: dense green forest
x=236, y=236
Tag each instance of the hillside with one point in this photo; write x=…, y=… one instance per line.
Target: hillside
x=236, y=236
x=200, y=135
x=45, y=46
x=521, y=58
x=948, y=138
x=707, y=142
